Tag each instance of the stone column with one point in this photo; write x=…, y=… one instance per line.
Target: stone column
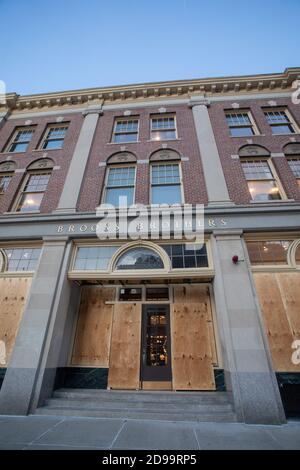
x=47, y=302
x=71, y=190
x=213, y=173
x=247, y=364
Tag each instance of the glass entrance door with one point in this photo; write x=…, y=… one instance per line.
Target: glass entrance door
x=156, y=347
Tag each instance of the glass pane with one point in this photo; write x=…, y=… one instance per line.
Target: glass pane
x=18, y=147
x=166, y=194
x=297, y=255
x=95, y=258
x=241, y=131
x=263, y=190
x=119, y=138
x=295, y=166
x=156, y=338
x=268, y=252
x=37, y=182
x=157, y=293
x=256, y=169
x=140, y=258
x=22, y=259
x=30, y=202
x=121, y=176
x=283, y=129
x=119, y=196
x=163, y=135
x=132, y=293
x=4, y=182
x=163, y=174
x=53, y=144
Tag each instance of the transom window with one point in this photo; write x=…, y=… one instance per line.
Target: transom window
x=140, y=258
x=33, y=192
x=94, y=257
x=295, y=167
x=163, y=128
x=261, y=182
x=165, y=184
x=120, y=185
x=187, y=256
x=125, y=130
x=22, y=259
x=268, y=252
x=54, y=137
x=20, y=140
x=4, y=182
x=240, y=124
x=280, y=122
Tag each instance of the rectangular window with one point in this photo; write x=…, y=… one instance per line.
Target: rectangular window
x=4, y=182
x=187, y=256
x=33, y=192
x=163, y=128
x=20, y=140
x=261, y=182
x=125, y=130
x=22, y=259
x=240, y=124
x=157, y=293
x=128, y=294
x=295, y=167
x=93, y=257
x=120, y=186
x=54, y=136
x=280, y=121
x=165, y=184
x=268, y=252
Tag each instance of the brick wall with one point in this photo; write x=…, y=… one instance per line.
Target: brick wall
x=60, y=158
x=228, y=146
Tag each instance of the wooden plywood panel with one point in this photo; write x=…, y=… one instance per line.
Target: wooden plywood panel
x=93, y=331
x=289, y=284
x=13, y=294
x=191, y=352
x=278, y=330
x=124, y=364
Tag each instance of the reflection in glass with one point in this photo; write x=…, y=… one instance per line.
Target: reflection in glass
x=140, y=258
x=156, y=337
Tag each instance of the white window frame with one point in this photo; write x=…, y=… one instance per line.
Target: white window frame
x=128, y=165
x=5, y=175
x=164, y=163
x=22, y=192
x=162, y=116
x=275, y=178
x=291, y=121
x=122, y=119
x=13, y=140
x=47, y=132
x=252, y=124
x=294, y=158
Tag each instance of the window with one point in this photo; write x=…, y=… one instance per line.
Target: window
x=140, y=258
x=163, y=128
x=120, y=186
x=261, y=182
x=127, y=294
x=125, y=130
x=295, y=167
x=187, y=256
x=165, y=184
x=94, y=257
x=4, y=182
x=54, y=137
x=33, y=192
x=268, y=252
x=280, y=122
x=20, y=140
x=157, y=293
x=22, y=259
x=240, y=124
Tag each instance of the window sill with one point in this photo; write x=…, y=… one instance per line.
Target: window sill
x=247, y=136
x=46, y=150
x=289, y=133
x=21, y=213
x=163, y=140
x=12, y=153
x=123, y=143
x=276, y=201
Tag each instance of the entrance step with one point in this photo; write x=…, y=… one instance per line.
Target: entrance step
x=172, y=406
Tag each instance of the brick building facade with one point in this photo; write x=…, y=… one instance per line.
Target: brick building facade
x=169, y=314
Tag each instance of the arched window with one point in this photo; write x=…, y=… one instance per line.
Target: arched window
x=139, y=258
x=34, y=186
x=292, y=152
x=6, y=173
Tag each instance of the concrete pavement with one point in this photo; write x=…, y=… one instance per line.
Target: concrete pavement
x=51, y=432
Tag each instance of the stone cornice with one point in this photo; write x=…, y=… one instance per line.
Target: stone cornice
x=208, y=87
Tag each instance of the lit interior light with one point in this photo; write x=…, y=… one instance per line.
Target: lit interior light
x=274, y=190
x=30, y=202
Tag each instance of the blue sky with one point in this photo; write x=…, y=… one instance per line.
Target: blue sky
x=52, y=45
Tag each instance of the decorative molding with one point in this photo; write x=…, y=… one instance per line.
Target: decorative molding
x=292, y=149
x=41, y=164
x=122, y=157
x=7, y=166
x=253, y=151
x=167, y=154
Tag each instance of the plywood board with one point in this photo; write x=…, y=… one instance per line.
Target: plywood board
x=13, y=294
x=124, y=364
x=191, y=352
x=150, y=385
x=93, y=331
x=277, y=326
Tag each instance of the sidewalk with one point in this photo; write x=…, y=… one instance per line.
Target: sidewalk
x=50, y=432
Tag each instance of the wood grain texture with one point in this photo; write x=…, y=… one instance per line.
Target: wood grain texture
x=272, y=300
x=93, y=331
x=13, y=294
x=191, y=343
x=125, y=352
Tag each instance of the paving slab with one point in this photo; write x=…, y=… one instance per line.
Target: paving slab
x=217, y=436
x=82, y=432
x=24, y=429
x=156, y=435
x=288, y=436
